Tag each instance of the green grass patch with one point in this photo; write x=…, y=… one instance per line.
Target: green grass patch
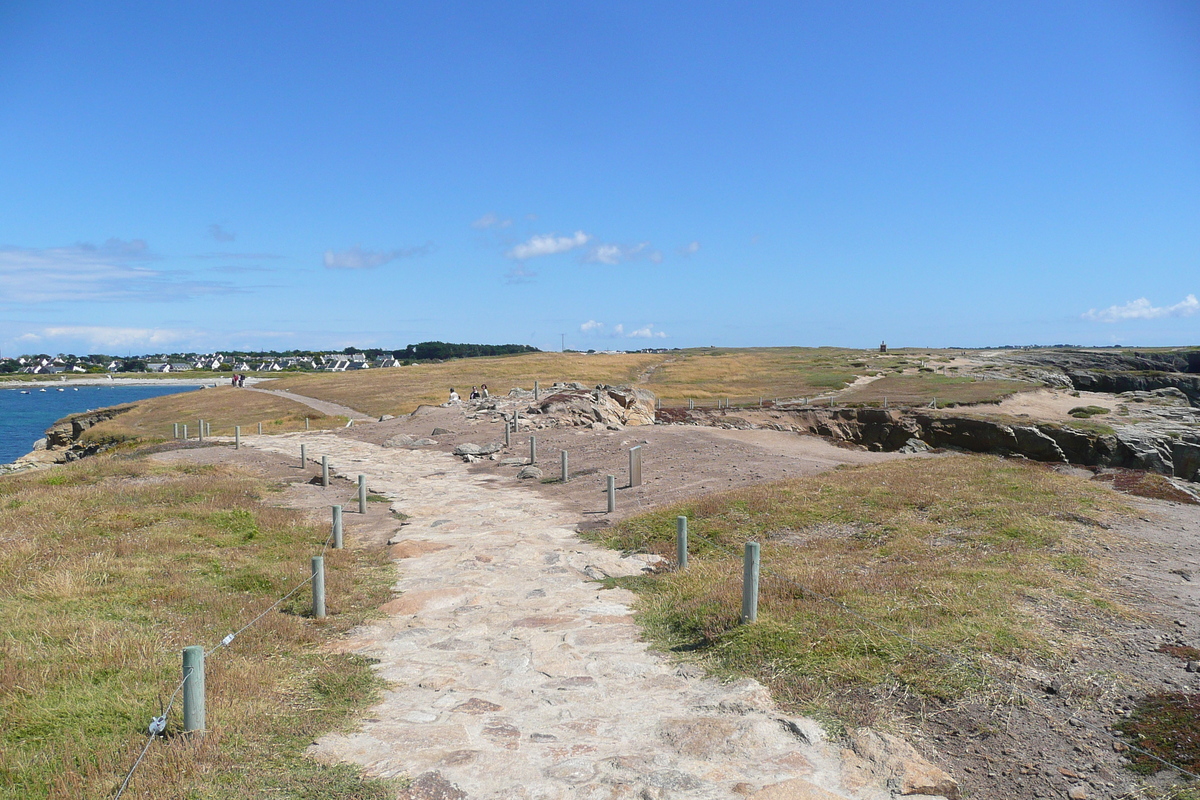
x=951, y=554
x=1168, y=725
x=1083, y=412
x=112, y=566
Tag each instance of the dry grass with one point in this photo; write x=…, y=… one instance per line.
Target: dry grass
x=924, y=388
x=222, y=407
x=108, y=568
x=745, y=375
x=400, y=390
x=957, y=553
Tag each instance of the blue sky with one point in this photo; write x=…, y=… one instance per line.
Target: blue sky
x=208, y=176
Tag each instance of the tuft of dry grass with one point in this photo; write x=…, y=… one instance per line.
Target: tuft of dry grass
x=108, y=568
x=222, y=407
x=953, y=554
x=923, y=388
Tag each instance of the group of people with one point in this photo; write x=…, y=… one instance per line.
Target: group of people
x=238, y=381
x=477, y=393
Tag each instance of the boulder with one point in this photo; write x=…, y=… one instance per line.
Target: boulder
x=882, y=757
x=470, y=449
x=399, y=440
x=529, y=472
x=439, y=432
x=607, y=405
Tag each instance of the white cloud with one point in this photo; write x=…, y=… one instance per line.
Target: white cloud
x=114, y=271
x=618, y=329
x=220, y=234
x=357, y=258
x=490, y=220
x=101, y=337
x=647, y=332
x=613, y=254
x=547, y=245
x=590, y=326
x=1142, y=309
x=689, y=249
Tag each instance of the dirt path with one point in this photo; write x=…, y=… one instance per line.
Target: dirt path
x=332, y=409
x=515, y=675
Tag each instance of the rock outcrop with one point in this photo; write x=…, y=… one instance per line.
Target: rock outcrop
x=607, y=405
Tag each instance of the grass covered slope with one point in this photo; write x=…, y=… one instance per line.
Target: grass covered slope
x=956, y=554
x=222, y=408
x=108, y=568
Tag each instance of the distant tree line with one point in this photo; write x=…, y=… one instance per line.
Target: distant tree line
x=426, y=351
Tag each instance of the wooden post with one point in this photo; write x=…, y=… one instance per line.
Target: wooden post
x=750, y=569
x=691, y=405
x=193, y=689
x=537, y=390
x=303, y=458
x=200, y=429
x=237, y=437
x=612, y=493
x=260, y=429
x=565, y=472
x=325, y=471
x=635, y=466
x=362, y=494
x=306, y=423
x=681, y=542
x=532, y=449
x=175, y=434
x=507, y=433
x=318, y=587
x=185, y=433
x=337, y=527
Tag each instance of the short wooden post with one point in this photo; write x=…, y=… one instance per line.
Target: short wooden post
x=193, y=689
x=681, y=542
x=337, y=527
x=362, y=494
x=563, y=476
x=507, y=433
x=185, y=433
x=885, y=402
x=532, y=449
x=750, y=569
x=208, y=429
x=306, y=423
x=200, y=429
x=691, y=405
x=260, y=429
x=612, y=493
x=325, y=471
x=537, y=390
x=237, y=437
x=760, y=402
x=303, y=458
x=635, y=466
x=318, y=587
x=175, y=434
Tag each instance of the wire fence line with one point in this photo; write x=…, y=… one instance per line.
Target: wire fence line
x=1035, y=700
x=158, y=725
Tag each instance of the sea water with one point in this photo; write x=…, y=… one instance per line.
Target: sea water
x=24, y=418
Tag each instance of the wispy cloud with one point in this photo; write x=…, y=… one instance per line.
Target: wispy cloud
x=114, y=271
x=547, y=245
x=107, y=337
x=595, y=328
x=357, y=258
x=240, y=256
x=1143, y=309
x=490, y=220
x=613, y=254
x=647, y=332
x=519, y=274
x=220, y=234
x=691, y=248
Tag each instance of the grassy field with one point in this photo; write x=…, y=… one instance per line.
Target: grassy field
x=399, y=390
x=108, y=568
x=745, y=374
x=924, y=388
x=223, y=408
x=956, y=553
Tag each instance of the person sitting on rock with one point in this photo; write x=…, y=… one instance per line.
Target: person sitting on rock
x=474, y=392
x=453, y=395
x=483, y=392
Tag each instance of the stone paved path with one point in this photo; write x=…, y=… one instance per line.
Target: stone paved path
x=515, y=676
